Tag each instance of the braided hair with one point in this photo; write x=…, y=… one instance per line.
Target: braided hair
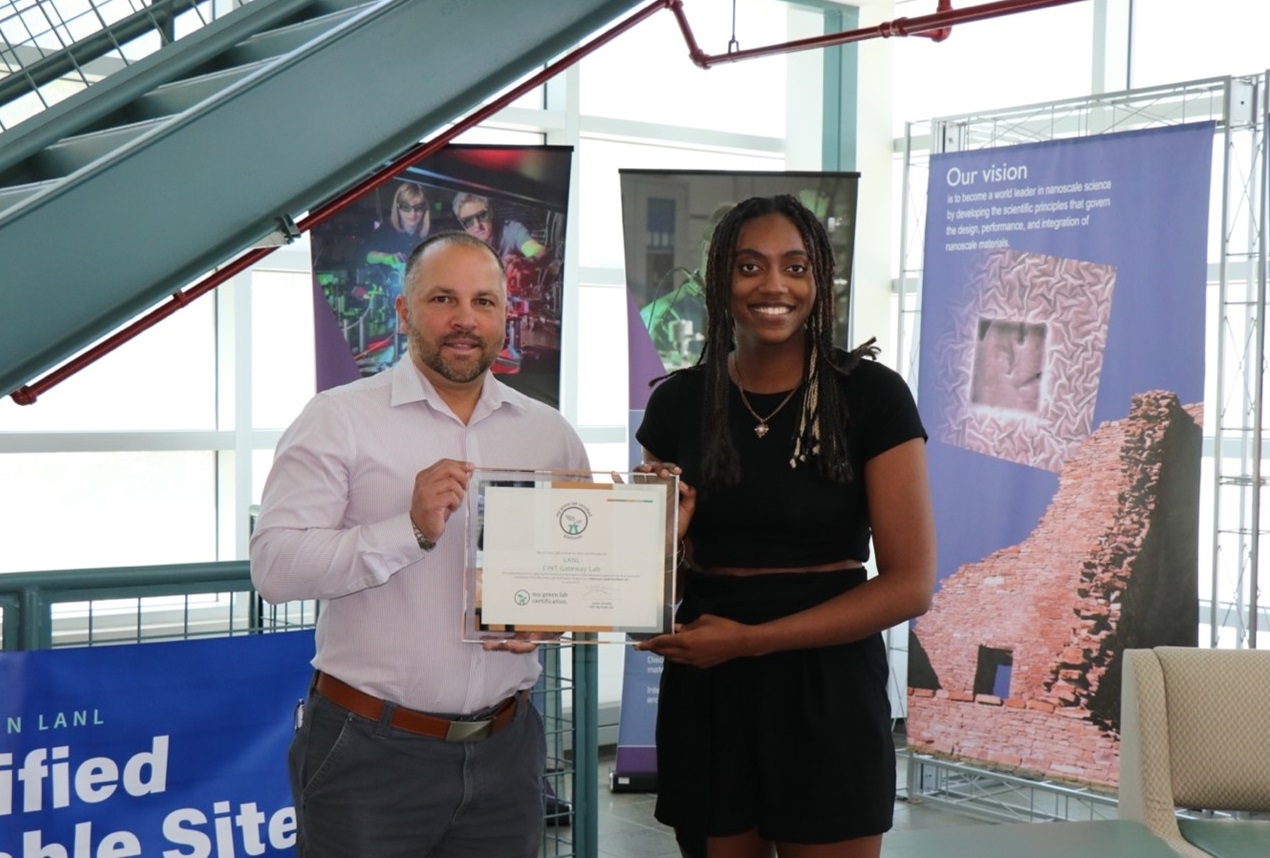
x=821, y=434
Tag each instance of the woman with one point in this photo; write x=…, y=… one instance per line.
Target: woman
x=774, y=726
x=379, y=262
x=408, y=224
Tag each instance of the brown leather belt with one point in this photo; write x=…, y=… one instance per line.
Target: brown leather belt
x=412, y=721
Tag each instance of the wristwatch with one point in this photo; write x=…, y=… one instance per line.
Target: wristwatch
x=424, y=543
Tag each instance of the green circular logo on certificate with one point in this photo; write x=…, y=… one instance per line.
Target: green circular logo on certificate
x=573, y=519
x=522, y=597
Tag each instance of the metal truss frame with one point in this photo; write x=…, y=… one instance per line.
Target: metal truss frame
x=999, y=797
x=1234, y=444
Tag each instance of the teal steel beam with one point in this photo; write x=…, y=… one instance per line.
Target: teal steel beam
x=10, y=611
x=128, y=230
x=841, y=100
x=586, y=740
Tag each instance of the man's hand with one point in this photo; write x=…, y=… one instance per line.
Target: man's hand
x=520, y=642
x=438, y=491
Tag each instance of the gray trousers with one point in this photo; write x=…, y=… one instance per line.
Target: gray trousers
x=364, y=789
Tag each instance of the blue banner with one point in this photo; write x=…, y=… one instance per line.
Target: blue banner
x=160, y=749
x=1061, y=380
x=635, y=761
x=1121, y=216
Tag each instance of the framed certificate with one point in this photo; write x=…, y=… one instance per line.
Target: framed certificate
x=550, y=553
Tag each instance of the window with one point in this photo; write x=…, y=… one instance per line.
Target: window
x=1028, y=58
x=1175, y=41
x=992, y=676
x=646, y=74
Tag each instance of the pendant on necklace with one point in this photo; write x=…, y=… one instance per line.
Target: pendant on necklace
x=760, y=430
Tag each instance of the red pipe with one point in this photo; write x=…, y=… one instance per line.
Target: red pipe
x=944, y=32
x=936, y=26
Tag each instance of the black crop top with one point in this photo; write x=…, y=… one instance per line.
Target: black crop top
x=779, y=516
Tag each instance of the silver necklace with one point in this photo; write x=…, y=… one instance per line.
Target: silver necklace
x=762, y=428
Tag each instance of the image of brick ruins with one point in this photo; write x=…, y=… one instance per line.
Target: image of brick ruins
x=1017, y=665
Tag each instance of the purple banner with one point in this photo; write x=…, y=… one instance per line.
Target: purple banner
x=512, y=197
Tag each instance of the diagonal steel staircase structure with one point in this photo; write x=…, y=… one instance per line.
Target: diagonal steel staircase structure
x=124, y=193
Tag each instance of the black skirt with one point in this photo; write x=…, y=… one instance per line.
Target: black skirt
x=795, y=744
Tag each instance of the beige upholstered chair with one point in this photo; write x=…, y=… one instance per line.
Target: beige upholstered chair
x=1195, y=734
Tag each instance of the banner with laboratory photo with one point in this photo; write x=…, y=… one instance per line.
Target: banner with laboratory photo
x=176, y=748
x=1061, y=380
x=514, y=198
x=668, y=218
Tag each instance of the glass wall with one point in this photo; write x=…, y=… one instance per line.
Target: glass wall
x=1175, y=41
x=1029, y=58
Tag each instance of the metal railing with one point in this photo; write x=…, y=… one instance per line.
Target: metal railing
x=51, y=49
x=93, y=607
x=103, y=607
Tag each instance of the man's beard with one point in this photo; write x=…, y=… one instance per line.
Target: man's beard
x=429, y=354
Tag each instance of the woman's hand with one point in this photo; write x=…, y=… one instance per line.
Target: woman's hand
x=705, y=642
x=687, y=494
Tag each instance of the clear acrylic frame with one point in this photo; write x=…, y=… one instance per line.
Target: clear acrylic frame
x=562, y=556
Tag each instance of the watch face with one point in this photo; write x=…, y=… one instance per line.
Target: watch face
x=424, y=543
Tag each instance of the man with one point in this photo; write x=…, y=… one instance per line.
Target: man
x=365, y=509
x=511, y=239
x=532, y=276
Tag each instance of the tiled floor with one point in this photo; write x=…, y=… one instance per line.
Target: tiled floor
x=627, y=828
